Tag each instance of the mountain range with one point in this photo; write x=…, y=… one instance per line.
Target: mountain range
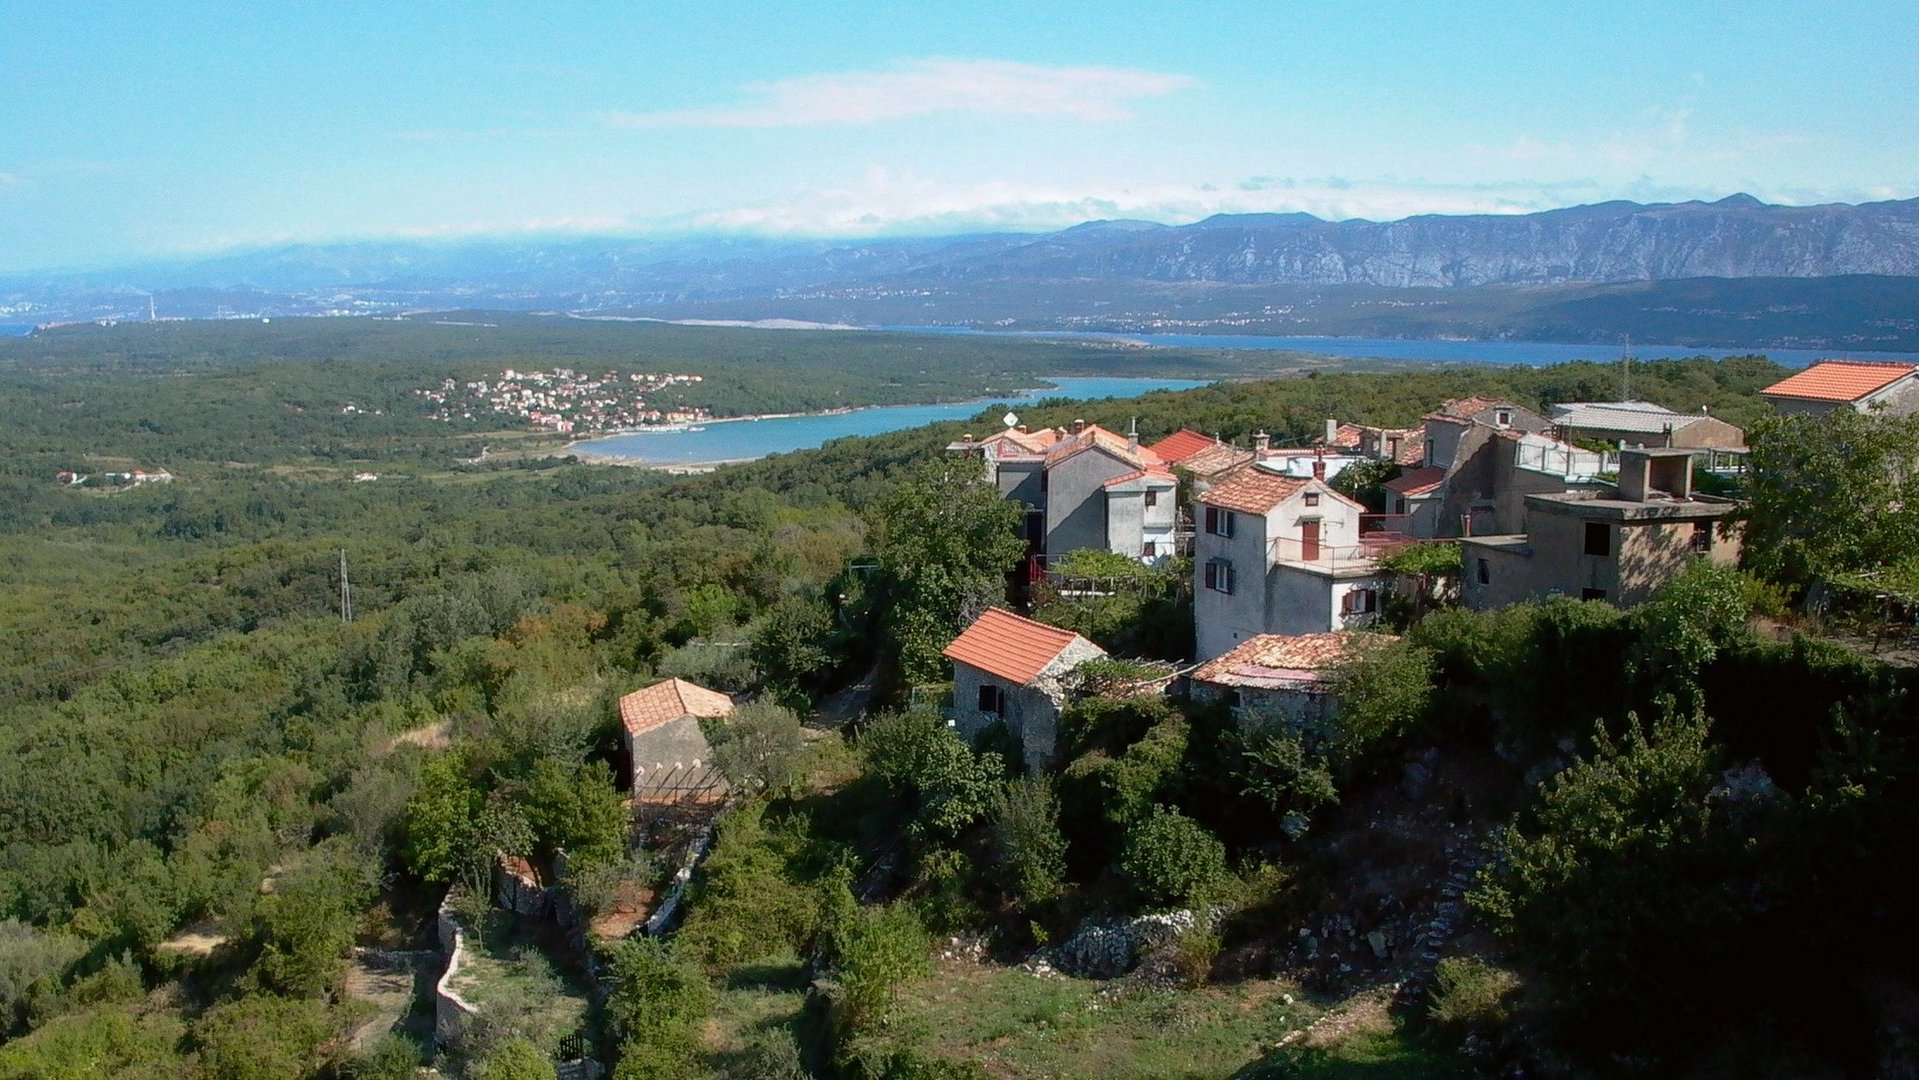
x=1743, y=263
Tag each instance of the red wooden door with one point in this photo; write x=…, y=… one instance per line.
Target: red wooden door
x=1309, y=541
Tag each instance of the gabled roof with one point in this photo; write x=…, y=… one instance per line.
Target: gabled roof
x=1006, y=645
x=1347, y=435
x=1215, y=460
x=1181, y=445
x=665, y=702
x=1412, y=448
x=1093, y=436
x=1283, y=661
x=1151, y=478
x=1637, y=416
x=1839, y=380
x=1416, y=483
x=1254, y=491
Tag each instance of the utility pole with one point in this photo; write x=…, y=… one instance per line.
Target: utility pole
x=346, y=591
x=1625, y=371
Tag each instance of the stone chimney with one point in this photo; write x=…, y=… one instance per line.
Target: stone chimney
x=1132, y=433
x=1022, y=429
x=1332, y=431
x=1079, y=426
x=1319, y=464
x=968, y=437
x=1261, y=442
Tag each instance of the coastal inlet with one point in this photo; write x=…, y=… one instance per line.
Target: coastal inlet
x=745, y=439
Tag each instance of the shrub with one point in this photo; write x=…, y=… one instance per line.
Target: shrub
x=391, y=1057
x=1029, y=851
x=1171, y=859
x=1276, y=766
x=773, y=1054
x=262, y=1037
x=880, y=950
x=658, y=1000
x=744, y=904
x=577, y=810
x=516, y=1059
x=915, y=754
x=1384, y=689
x=1470, y=994
x=757, y=748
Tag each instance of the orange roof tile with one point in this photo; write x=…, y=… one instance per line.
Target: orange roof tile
x=1004, y=644
x=1283, y=658
x=1120, y=446
x=1839, y=380
x=1253, y=491
x=1417, y=482
x=665, y=702
x=1347, y=435
x=1139, y=474
x=1215, y=460
x=1412, y=448
x=1182, y=444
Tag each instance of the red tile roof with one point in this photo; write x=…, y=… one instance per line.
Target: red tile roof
x=665, y=702
x=1839, y=380
x=1181, y=445
x=1417, y=482
x=1347, y=435
x=1274, y=660
x=1215, y=460
x=1120, y=446
x=1139, y=474
x=1013, y=648
x=1253, y=491
x=1412, y=448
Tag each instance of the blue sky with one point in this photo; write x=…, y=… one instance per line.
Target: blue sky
x=136, y=130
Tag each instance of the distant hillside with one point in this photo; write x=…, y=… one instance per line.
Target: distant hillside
x=1736, y=272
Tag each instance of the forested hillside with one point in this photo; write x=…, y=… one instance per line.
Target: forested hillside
x=1663, y=834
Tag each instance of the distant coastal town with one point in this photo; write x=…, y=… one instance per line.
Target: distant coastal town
x=567, y=402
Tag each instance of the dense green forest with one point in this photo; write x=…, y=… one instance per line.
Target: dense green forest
x=1671, y=826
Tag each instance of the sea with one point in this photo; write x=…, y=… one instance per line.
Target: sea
x=739, y=440
x=8, y=329
x=1533, y=353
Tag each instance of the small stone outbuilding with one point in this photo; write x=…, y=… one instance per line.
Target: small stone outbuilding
x=669, y=755
x=1012, y=670
x=1282, y=678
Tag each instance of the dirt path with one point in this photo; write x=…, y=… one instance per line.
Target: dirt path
x=392, y=980
x=842, y=707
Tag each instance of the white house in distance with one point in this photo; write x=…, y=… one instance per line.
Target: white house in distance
x=670, y=758
x=1279, y=554
x=1859, y=385
x=1013, y=670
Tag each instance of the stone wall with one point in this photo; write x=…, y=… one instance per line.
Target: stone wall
x=450, y=1010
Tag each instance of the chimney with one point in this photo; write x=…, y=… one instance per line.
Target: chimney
x=1079, y=426
x=1319, y=464
x=968, y=437
x=1132, y=433
x=1332, y=431
x=1261, y=442
x=1022, y=429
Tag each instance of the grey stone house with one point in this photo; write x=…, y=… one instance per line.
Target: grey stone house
x=669, y=755
x=1012, y=670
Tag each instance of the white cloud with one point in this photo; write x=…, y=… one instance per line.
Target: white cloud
x=926, y=87
x=1662, y=139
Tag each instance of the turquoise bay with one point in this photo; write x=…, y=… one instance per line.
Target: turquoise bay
x=737, y=440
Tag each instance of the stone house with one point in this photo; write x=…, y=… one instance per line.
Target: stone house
x=1618, y=544
x=1280, y=678
x=665, y=747
x=1642, y=423
x=1012, y=670
x=1863, y=386
x=1279, y=554
x=1446, y=426
x=1083, y=488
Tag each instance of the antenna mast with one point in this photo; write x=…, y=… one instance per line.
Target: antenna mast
x=1625, y=371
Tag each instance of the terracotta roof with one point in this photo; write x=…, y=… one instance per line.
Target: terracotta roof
x=665, y=702
x=1253, y=491
x=1839, y=380
x=1347, y=435
x=1215, y=460
x=1412, y=448
x=1415, y=483
x=1004, y=644
x=1120, y=446
x=1273, y=661
x=1140, y=474
x=1182, y=444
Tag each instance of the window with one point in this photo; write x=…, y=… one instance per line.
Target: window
x=1149, y=550
x=1312, y=498
x=1392, y=449
x=1702, y=538
x=1152, y=498
x=1484, y=572
x=1360, y=602
x=992, y=700
x=1504, y=418
x=1598, y=539
x=1592, y=594
x=1219, y=522
x=1219, y=576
